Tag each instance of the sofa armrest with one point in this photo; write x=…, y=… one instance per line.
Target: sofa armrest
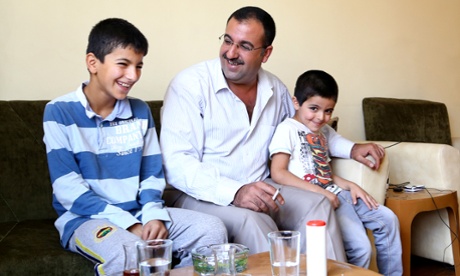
x=456, y=142
x=436, y=166
x=373, y=181
x=433, y=165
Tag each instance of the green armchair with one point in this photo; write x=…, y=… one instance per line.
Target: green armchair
x=428, y=155
x=406, y=120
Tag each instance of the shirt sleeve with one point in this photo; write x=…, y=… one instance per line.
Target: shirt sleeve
x=152, y=181
x=282, y=141
x=338, y=146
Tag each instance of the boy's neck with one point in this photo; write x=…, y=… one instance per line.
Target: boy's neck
x=99, y=102
x=296, y=118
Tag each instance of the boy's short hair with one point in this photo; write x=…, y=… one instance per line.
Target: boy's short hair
x=111, y=33
x=315, y=83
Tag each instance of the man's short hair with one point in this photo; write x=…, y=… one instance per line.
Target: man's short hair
x=260, y=15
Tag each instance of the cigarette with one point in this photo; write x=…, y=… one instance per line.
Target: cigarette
x=276, y=194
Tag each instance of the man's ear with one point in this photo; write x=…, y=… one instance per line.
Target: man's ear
x=91, y=63
x=266, y=53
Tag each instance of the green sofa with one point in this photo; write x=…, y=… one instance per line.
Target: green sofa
x=29, y=242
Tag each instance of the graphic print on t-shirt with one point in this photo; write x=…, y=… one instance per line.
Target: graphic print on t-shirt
x=314, y=153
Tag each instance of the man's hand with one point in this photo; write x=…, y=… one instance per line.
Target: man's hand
x=359, y=152
x=257, y=196
x=154, y=229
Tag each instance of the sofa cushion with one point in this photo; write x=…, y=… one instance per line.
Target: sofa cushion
x=32, y=248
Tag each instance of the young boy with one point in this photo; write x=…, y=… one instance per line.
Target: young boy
x=105, y=161
x=300, y=158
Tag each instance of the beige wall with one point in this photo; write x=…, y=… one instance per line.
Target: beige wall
x=388, y=48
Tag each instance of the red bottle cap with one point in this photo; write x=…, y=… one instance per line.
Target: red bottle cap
x=316, y=223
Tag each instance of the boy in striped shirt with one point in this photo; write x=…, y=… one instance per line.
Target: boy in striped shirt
x=105, y=162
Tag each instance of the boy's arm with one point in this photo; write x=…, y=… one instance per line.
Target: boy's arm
x=356, y=192
x=281, y=175
x=152, y=178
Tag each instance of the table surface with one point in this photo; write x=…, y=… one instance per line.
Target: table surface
x=259, y=264
x=423, y=194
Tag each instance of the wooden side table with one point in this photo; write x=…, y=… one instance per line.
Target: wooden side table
x=406, y=205
x=259, y=265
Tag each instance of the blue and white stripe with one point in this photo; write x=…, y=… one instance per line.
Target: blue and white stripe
x=103, y=168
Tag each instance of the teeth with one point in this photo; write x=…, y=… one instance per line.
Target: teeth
x=233, y=63
x=124, y=84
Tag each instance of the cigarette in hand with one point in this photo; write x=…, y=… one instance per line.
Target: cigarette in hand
x=276, y=194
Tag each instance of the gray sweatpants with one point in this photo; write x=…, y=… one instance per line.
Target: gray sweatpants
x=251, y=228
x=101, y=241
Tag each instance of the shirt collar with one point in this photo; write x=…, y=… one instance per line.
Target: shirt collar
x=264, y=86
x=121, y=110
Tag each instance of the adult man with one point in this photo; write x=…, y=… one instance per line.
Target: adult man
x=217, y=122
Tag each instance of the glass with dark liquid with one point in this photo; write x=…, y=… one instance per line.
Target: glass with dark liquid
x=131, y=267
x=131, y=272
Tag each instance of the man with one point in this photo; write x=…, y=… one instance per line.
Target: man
x=217, y=122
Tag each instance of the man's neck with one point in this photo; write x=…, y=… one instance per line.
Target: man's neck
x=247, y=93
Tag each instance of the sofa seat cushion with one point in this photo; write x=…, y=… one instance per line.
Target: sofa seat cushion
x=32, y=247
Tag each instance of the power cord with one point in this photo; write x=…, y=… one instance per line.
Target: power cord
x=392, y=145
x=400, y=187
x=442, y=220
x=397, y=187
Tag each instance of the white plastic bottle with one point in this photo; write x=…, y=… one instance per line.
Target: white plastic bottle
x=316, y=248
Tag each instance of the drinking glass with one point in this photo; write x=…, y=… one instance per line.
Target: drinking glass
x=284, y=252
x=224, y=260
x=131, y=267
x=155, y=257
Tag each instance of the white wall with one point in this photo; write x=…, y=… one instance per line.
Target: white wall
x=387, y=48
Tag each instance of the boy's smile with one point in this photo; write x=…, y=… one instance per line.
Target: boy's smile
x=114, y=78
x=315, y=112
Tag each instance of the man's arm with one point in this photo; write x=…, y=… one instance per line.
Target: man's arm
x=359, y=152
x=344, y=148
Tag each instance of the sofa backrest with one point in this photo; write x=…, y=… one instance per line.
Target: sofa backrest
x=406, y=120
x=25, y=188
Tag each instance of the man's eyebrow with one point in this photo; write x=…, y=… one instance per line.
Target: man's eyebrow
x=242, y=42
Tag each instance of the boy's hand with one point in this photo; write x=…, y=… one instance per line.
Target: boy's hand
x=358, y=192
x=333, y=199
x=136, y=229
x=154, y=229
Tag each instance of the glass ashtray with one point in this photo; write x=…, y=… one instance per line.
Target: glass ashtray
x=203, y=257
